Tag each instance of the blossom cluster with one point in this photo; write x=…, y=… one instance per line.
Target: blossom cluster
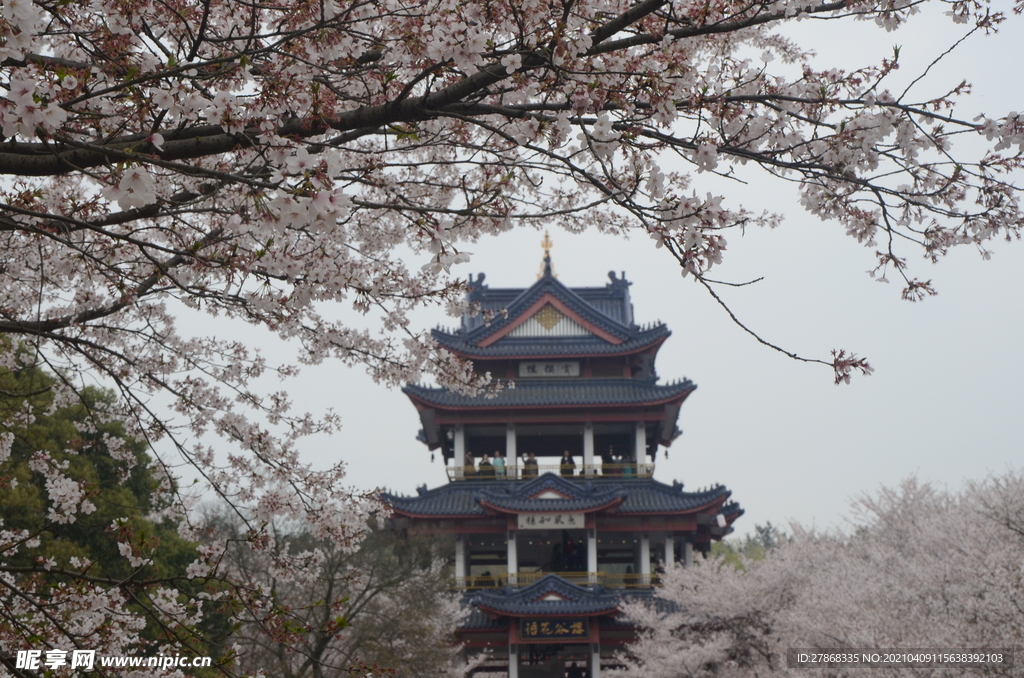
x=921, y=567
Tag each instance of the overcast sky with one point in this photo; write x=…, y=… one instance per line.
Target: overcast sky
x=943, y=403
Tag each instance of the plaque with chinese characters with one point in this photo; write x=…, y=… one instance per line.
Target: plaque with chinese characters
x=551, y=521
x=552, y=629
x=549, y=368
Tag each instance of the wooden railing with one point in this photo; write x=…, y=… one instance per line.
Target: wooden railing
x=609, y=579
x=528, y=472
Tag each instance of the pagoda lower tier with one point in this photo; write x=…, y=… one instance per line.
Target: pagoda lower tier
x=547, y=628
x=546, y=563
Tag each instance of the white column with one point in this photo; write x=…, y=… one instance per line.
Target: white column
x=588, y=450
x=513, y=661
x=640, y=444
x=645, y=559
x=513, y=557
x=670, y=552
x=460, y=449
x=595, y=660
x=687, y=554
x=592, y=554
x=460, y=556
x=510, y=450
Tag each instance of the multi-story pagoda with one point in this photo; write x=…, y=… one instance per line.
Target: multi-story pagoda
x=547, y=551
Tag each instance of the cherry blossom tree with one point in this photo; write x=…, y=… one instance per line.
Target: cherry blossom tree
x=390, y=604
x=920, y=568
x=258, y=162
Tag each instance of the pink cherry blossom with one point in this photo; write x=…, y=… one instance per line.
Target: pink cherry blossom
x=919, y=567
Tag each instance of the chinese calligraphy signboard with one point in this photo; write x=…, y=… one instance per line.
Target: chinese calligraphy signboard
x=547, y=368
x=551, y=521
x=553, y=629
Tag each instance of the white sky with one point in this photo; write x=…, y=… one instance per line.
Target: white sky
x=943, y=403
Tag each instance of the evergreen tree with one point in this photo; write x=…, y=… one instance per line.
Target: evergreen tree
x=118, y=537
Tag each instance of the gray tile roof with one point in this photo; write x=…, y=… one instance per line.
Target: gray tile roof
x=528, y=600
x=647, y=495
x=453, y=499
x=549, y=392
x=608, y=308
x=478, y=620
x=579, y=496
x=611, y=301
x=551, y=346
x=641, y=495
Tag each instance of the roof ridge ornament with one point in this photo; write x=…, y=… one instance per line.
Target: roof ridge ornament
x=546, y=269
x=617, y=282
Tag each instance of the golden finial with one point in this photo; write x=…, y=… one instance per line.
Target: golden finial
x=545, y=264
x=547, y=244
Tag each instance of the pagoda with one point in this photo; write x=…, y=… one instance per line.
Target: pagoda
x=556, y=516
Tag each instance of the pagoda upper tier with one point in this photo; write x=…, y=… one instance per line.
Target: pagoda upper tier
x=551, y=320
x=580, y=376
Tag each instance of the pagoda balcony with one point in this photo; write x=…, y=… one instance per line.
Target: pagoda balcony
x=522, y=472
x=606, y=579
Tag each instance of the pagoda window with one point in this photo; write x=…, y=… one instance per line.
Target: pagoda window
x=476, y=442
x=616, y=561
x=542, y=551
x=487, y=560
x=621, y=559
x=550, y=441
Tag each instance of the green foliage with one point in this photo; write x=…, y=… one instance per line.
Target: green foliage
x=753, y=546
x=80, y=437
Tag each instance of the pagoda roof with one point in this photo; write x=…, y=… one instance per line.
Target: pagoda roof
x=601, y=321
x=559, y=392
x=553, y=347
x=538, y=495
x=480, y=498
x=548, y=596
x=478, y=620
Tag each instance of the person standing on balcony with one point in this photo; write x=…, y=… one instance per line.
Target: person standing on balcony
x=499, y=464
x=530, y=466
x=608, y=467
x=567, y=465
x=469, y=470
x=486, y=469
